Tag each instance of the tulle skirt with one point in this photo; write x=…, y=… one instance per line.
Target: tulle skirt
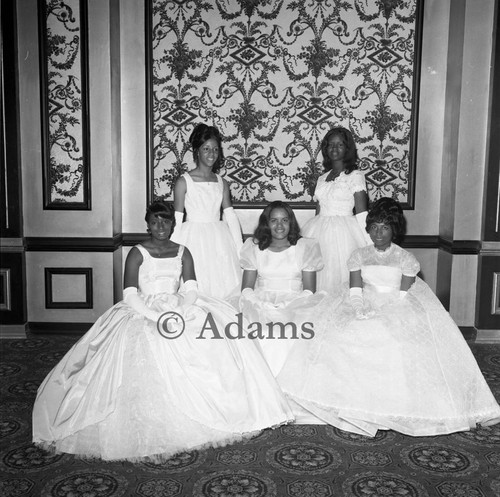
x=215, y=256
x=406, y=368
x=125, y=392
x=286, y=317
x=338, y=237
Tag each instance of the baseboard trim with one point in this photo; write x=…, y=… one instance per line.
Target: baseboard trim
x=9, y=331
x=469, y=333
x=50, y=327
x=475, y=335
x=488, y=336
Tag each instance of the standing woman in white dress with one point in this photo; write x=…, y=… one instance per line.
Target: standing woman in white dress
x=201, y=192
x=342, y=204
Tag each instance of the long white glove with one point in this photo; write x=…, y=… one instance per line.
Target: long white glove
x=305, y=293
x=361, y=219
x=357, y=301
x=248, y=294
x=191, y=295
x=179, y=216
x=233, y=223
x=133, y=299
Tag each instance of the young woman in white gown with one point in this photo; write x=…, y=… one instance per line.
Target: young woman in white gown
x=201, y=192
x=143, y=384
x=342, y=203
x=388, y=355
x=279, y=282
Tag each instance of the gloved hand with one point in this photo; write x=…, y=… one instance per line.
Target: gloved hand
x=190, y=288
x=133, y=299
x=357, y=302
x=233, y=224
x=175, y=236
x=361, y=219
x=248, y=294
x=304, y=294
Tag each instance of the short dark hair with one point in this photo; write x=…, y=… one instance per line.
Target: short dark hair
x=201, y=133
x=161, y=209
x=262, y=234
x=351, y=154
x=387, y=210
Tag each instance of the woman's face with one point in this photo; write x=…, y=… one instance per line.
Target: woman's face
x=336, y=148
x=279, y=224
x=159, y=226
x=208, y=153
x=381, y=235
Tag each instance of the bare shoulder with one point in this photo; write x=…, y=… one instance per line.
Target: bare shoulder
x=186, y=254
x=135, y=253
x=180, y=181
x=134, y=258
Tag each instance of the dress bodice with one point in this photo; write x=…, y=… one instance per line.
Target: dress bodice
x=336, y=198
x=203, y=200
x=382, y=270
x=159, y=275
x=281, y=271
x=381, y=279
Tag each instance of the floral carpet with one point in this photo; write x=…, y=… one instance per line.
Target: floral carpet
x=293, y=461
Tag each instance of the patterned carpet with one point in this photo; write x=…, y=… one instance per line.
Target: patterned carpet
x=294, y=461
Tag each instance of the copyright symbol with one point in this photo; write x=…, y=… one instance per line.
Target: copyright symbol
x=170, y=325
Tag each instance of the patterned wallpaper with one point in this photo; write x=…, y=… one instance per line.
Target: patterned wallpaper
x=64, y=98
x=274, y=76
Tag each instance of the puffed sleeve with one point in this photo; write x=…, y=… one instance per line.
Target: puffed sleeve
x=409, y=264
x=357, y=181
x=248, y=256
x=354, y=262
x=309, y=255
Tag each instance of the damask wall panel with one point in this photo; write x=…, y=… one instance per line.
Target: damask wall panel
x=65, y=117
x=274, y=76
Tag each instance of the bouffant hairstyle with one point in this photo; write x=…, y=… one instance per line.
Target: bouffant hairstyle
x=163, y=210
x=262, y=234
x=387, y=210
x=351, y=154
x=201, y=133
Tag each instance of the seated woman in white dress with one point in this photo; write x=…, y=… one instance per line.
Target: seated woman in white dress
x=388, y=355
x=147, y=380
x=279, y=282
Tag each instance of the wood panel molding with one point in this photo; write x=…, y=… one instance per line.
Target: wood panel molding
x=89, y=244
x=73, y=244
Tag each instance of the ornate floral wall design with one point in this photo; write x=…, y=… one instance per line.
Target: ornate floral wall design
x=65, y=118
x=274, y=76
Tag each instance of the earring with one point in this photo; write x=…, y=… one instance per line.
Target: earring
x=149, y=231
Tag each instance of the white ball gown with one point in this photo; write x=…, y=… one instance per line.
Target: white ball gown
x=335, y=227
x=209, y=240
x=278, y=296
x=123, y=391
x=405, y=368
